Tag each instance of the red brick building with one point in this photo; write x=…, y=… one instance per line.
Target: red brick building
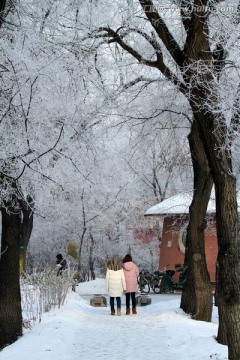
x=174, y=212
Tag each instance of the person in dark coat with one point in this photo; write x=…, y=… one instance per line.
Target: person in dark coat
x=61, y=264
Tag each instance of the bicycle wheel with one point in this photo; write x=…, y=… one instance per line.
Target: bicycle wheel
x=164, y=285
x=156, y=286
x=144, y=286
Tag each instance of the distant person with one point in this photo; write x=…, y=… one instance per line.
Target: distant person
x=61, y=264
x=131, y=273
x=115, y=284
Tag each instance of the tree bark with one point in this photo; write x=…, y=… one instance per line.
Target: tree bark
x=25, y=230
x=91, y=258
x=2, y=8
x=214, y=134
x=228, y=286
x=10, y=298
x=197, y=293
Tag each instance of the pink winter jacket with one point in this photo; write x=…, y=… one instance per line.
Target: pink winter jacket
x=131, y=273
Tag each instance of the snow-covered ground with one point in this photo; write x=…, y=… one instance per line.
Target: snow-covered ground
x=79, y=331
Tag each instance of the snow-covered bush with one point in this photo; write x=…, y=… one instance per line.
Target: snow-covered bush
x=42, y=291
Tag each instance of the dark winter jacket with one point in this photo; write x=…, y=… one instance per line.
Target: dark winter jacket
x=63, y=266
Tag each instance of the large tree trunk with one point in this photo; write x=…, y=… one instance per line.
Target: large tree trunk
x=214, y=134
x=197, y=293
x=203, y=99
x=25, y=230
x=228, y=286
x=228, y=295
x=10, y=298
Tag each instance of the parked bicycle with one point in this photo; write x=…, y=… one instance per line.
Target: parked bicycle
x=143, y=282
x=168, y=285
x=157, y=279
x=148, y=280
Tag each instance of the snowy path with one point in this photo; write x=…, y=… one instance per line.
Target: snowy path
x=79, y=331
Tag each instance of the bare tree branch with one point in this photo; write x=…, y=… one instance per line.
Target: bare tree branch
x=158, y=63
x=41, y=155
x=162, y=31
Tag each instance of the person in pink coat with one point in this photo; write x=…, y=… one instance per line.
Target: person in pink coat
x=131, y=273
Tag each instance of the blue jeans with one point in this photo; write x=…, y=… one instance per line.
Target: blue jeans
x=112, y=302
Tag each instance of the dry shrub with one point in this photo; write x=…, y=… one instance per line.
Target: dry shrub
x=40, y=292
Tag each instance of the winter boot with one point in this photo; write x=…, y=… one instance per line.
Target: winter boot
x=118, y=311
x=127, y=311
x=134, y=311
x=112, y=312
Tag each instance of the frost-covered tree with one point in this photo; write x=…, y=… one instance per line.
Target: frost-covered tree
x=31, y=128
x=75, y=105
x=193, y=44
